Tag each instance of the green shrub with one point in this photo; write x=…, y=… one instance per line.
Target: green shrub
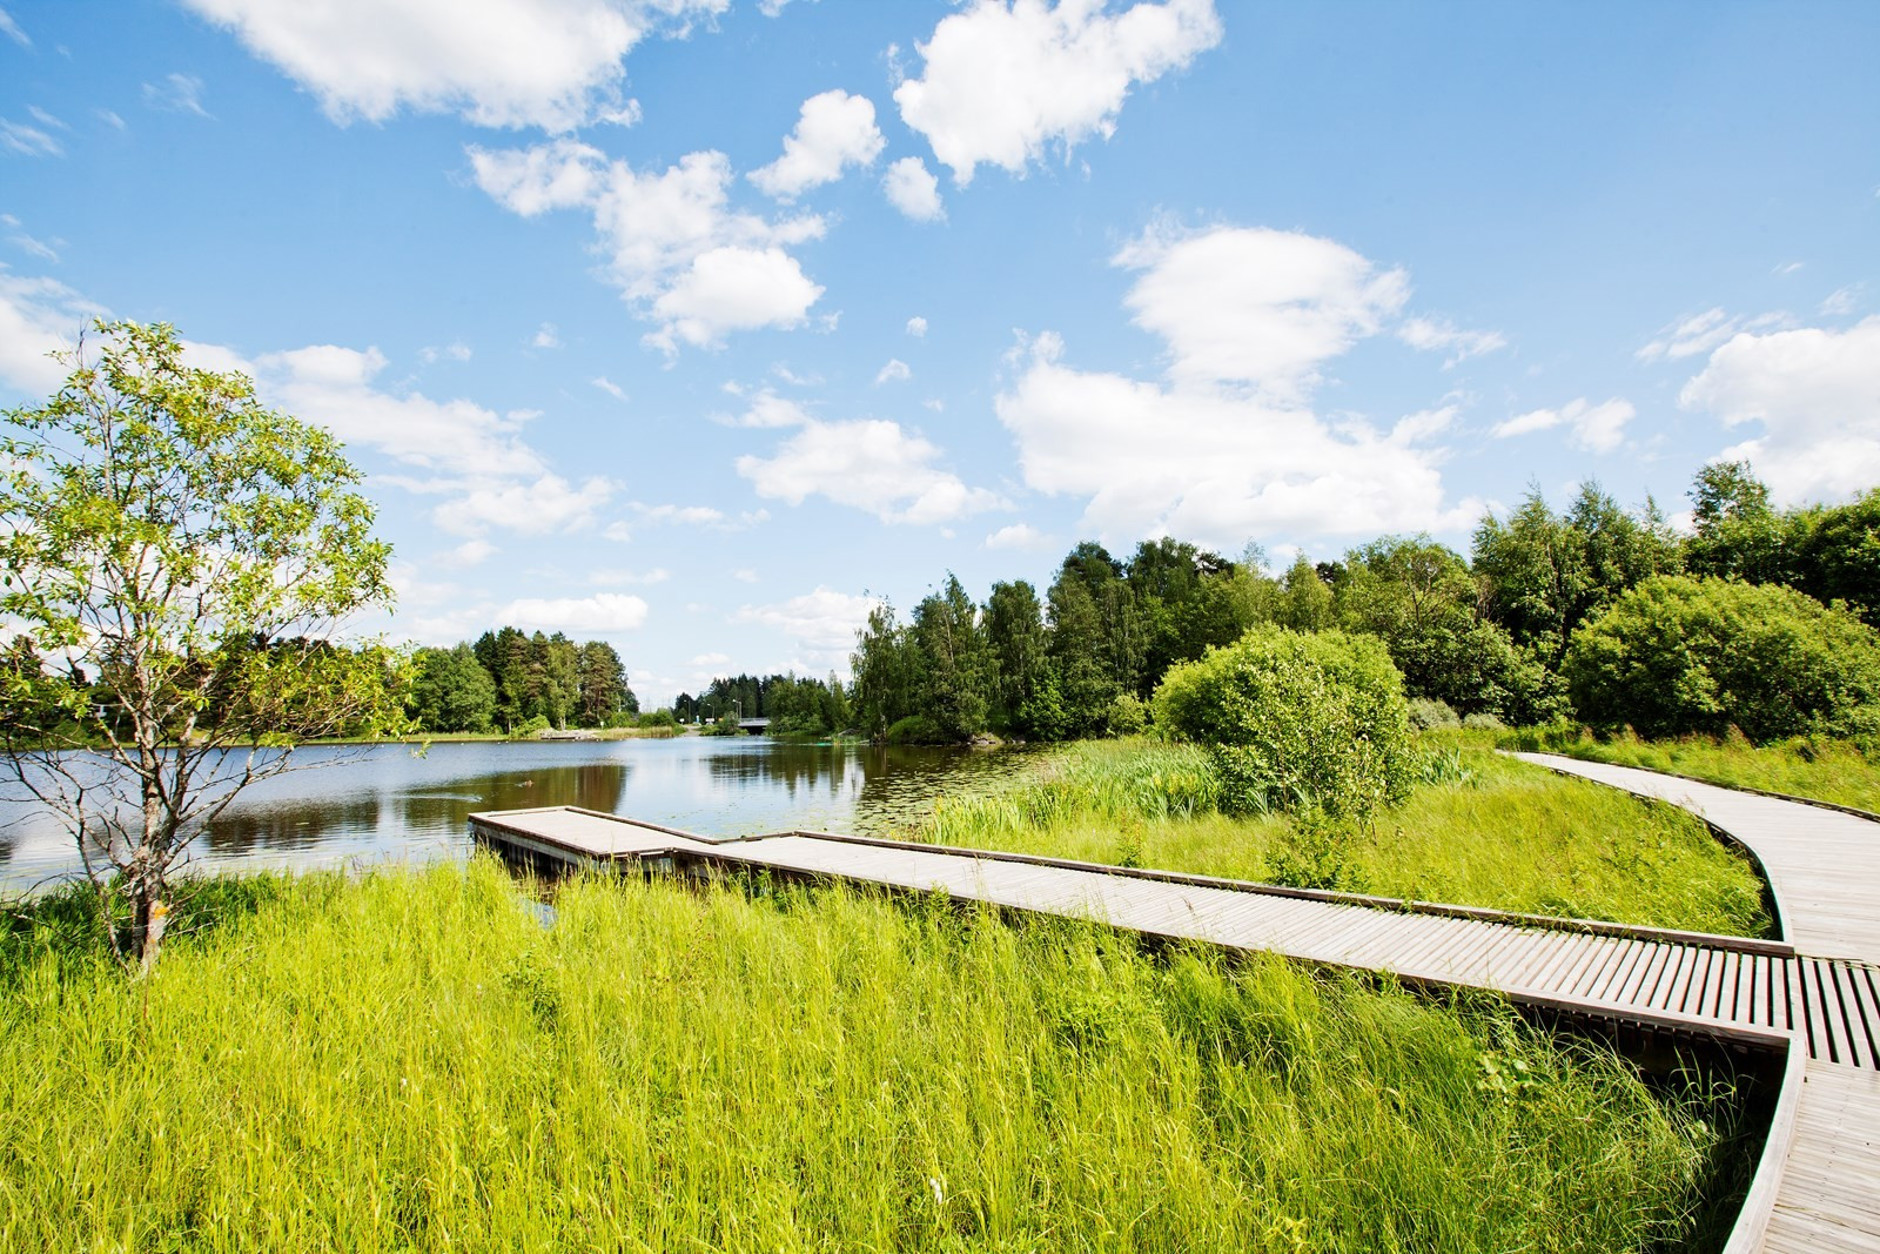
x=918, y=729
x=1312, y=722
x=1676, y=655
x=1126, y=716
x=531, y=729
x=1483, y=722
x=1427, y=713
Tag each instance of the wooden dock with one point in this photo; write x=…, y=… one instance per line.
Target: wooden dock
x=1808, y=1004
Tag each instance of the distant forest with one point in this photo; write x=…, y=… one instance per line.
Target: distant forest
x=510, y=681
x=1485, y=636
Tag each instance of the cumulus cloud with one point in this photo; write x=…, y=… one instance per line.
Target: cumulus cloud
x=602, y=614
x=911, y=187
x=824, y=622
x=917, y=327
x=1227, y=444
x=1003, y=81
x=679, y=254
x=555, y=64
x=474, y=455
x=870, y=464
x=1596, y=428
x=834, y=131
x=1817, y=395
x=545, y=337
x=38, y=316
x=770, y=410
x=1022, y=536
x=895, y=371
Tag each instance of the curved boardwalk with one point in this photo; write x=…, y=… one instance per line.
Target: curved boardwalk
x=1812, y=999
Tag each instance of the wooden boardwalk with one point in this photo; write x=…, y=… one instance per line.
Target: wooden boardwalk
x=1818, y=1009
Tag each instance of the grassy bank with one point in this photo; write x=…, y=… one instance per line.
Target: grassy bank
x=413, y=1061
x=1828, y=770
x=1481, y=830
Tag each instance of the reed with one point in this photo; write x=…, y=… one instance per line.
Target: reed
x=412, y=1060
x=1480, y=830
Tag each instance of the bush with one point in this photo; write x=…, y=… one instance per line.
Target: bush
x=1483, y=722
x=1310, y=722
x=918, y=729
x=531, y=729
x=1428, y=714
x=1126, y=716
x=1676, y=655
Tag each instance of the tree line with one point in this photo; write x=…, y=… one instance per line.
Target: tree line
x=516, y=682
x=794, y=706
x=1487, y=635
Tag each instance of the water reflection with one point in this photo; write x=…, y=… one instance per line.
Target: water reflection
x=387, y=803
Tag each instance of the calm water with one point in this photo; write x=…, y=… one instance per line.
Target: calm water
x=387, y=804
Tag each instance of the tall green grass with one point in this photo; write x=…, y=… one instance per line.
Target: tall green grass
x=413, y=1061
x=1842, y=771
x=1481, y=830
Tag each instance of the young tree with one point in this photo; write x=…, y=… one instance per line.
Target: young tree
x=178, y=557
x=1015, y=637
x=452, y=692
x=958, y=682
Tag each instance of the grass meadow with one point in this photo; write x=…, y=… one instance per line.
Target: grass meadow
x=415, y=1060
x=1844, y=772
x=1481, y=830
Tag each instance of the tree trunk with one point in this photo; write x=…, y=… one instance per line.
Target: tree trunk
x=150, y=911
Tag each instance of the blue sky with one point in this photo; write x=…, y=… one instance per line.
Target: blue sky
x=696, y=324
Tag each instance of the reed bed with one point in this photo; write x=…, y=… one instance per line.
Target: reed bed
x=414, y=1061
x=1481, y=830
x=1842, y=771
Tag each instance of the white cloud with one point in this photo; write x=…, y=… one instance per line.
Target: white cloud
x=824, y=622
x=28, y=141
x=619, y=578
x=1596, y=428
x=744, y=574
x=770, y=410
x=1004, y=81
x=17, y=236
x=46, y=118
x=549, y=63
x=1702, y=332
x=1227, y=446
x=834, y=131
x=733, y=289
x=111, y=119
x=603, y=613
x=11, y=29
x=1788, y=268
x=676, y=250
x=895, y=371
x=1842, y=301
x=1257, y=307
x=917, y=327
x=177, y=93
x=469, y=553
x=872, y=465
x=456, y=351
x=38, y=316
x=545, y=337
x=476, y=456
x=1816, y=393
x=911, y=187
x=608, y=386
x=1437, y=335
x=539, y=506
x=1022, y=536
x=711, y=659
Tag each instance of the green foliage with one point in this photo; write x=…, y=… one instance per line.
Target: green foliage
x=1679, y=655
x=1296, y=721
x=452, y=692
x=1830, y=552
x=178, y=558
x=1543, y=574
x=1126, y=716
x=957, y=675
x=917, y=729
x=1425, y=713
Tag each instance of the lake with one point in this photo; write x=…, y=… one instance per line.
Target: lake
x=387, y=803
